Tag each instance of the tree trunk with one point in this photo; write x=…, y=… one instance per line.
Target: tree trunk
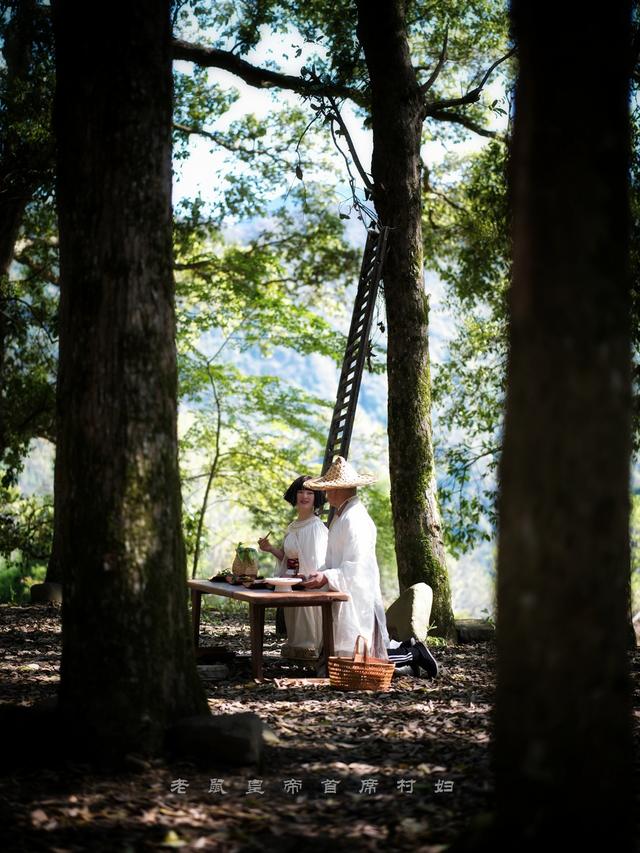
x=128, y=666
x=397, y=116
x=563, y=721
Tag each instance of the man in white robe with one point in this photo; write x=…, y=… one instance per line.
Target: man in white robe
x=351, y=566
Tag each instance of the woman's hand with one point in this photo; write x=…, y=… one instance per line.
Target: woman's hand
x=265, y=545
x=315, y=581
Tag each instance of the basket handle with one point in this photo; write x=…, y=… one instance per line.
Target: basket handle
x=365, y=654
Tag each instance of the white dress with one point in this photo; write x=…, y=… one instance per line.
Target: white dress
x=351, y=567
x=305, y=541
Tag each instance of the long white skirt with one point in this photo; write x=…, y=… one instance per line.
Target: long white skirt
x=304, y=628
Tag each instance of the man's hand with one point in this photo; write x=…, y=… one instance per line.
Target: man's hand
x=315, y=581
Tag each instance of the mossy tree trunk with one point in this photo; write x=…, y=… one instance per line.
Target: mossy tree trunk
x=397, y=112
x=128, y=666
x=563, y=745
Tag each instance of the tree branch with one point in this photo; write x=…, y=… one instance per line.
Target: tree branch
x=436, y=71
x=212, y=472
x=224, y=143
x=261, y=78
x=41, y=270
x=471, y=97
x=446, y=198
x=354, y=154
x=459, y=118
x=39, y=319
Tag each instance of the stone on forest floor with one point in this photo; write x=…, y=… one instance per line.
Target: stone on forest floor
x=213, y=671
x=45, y=593
x=409, y=614
x=221, y=739
x=475, y=630
x=214, y=654
x=299, y=653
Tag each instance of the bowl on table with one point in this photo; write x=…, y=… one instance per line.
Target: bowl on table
x=283, y=584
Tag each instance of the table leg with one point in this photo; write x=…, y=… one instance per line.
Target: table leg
x=327, y=629
x=196, y=599
x=256, y=621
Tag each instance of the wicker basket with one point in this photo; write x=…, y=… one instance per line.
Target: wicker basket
x=360, y=672
x=244, y=566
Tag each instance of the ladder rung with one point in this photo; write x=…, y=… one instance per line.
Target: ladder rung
x=343, y=400
x=354, y=354
x=357, y=321
x=337, y=414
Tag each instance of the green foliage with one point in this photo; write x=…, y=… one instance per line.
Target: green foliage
x=247, y=433
x=15, y=581
x=468, y=245
x=250, y=436
x=26, y=94
x=30, y=343
x=26, y=527
x=27, y=330
x=239, y=301
x=465, y=228
x=263, y=293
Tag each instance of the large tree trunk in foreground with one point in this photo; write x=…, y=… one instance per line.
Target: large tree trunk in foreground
x=128, y=666
x=397, y=116
x=563, y=722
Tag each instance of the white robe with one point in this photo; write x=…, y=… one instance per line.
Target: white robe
x=351, y=567
x=305, y=541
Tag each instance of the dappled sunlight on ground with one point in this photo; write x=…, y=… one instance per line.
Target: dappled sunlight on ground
x=405, y=770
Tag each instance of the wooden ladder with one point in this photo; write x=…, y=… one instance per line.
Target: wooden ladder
x=357, y=347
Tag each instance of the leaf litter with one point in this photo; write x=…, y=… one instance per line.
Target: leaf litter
x=406, y=770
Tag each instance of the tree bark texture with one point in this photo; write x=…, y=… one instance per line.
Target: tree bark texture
x=128, y=666
x=563, y=720
x=397, y=117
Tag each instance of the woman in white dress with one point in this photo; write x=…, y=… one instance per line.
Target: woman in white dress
x=303, y=553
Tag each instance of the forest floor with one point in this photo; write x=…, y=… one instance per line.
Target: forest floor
x=410, y=768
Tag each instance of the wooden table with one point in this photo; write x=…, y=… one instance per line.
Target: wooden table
x=258, y=601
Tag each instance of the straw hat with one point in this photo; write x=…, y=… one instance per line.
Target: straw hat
x=340, y=475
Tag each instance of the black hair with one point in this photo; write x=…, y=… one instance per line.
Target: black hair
x=319, y=497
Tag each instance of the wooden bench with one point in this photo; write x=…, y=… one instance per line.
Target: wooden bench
x=258, y=601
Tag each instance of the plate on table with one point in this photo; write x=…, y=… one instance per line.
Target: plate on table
x=283, y=584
